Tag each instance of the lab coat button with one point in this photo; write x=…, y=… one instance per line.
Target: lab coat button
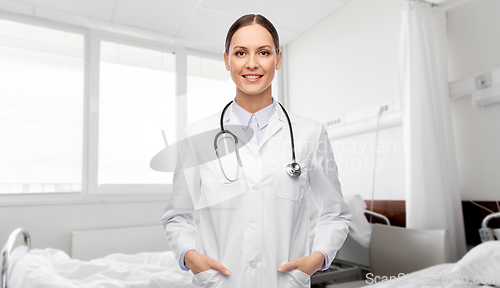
x=253, y=226
x=255, y=188
x=253, y=264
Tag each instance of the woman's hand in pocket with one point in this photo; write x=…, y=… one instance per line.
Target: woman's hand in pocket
x=307, y=264
x=198, y=263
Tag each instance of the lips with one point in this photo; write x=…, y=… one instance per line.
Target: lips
x=252, y=77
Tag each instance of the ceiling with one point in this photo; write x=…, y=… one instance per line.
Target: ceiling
x=197, y=24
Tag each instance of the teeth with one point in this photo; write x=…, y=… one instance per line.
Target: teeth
x=252, y=77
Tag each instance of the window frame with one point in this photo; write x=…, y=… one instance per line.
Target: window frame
x=90, y=192
x=93, y=138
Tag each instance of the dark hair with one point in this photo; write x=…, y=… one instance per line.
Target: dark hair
x=250, y=19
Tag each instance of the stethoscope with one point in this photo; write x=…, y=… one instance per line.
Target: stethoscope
x=293, y=169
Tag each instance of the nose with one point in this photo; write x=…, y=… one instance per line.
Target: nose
x=252, y=62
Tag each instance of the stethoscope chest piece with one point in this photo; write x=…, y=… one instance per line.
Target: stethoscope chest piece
x=293, y=169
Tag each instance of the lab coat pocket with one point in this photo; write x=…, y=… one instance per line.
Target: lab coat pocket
x=290, y=188
x=219, y=192
x=205, y=279
x=301, y=277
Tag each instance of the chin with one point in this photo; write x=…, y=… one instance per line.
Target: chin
x=253, y=90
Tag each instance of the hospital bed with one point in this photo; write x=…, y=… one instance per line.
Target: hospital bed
x=402, y=257
x=23, y=267
x=44, y=268
x=478, y=268
x=352, y=260
x=486, y=233
x=103, y=259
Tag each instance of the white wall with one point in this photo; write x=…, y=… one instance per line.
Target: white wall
x=349, y=62
x=474, y=47
x=355, y=158
x=51, y=225
x=473, y=38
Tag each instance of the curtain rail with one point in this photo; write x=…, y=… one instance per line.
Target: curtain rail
x=426, y=2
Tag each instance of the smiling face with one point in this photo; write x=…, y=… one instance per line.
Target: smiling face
x=252, y=60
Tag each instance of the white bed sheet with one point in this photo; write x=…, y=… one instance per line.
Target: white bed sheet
x=51, y=268
x=54, y=268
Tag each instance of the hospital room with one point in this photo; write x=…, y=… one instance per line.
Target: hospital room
x=271, y=143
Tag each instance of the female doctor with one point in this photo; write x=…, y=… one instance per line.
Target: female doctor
x=253, y=204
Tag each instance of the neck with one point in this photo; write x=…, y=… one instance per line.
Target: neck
x=253, y=102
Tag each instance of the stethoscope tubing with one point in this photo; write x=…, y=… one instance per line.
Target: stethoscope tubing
x=293, y=169
x=291, y=132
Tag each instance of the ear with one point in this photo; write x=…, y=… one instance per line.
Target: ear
x=226, y=61
x=278, y=61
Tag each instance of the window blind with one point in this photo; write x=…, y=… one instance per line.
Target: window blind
x=137, y=89
x=41, y=109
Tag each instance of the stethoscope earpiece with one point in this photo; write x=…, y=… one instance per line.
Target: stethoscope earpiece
x=293, y=169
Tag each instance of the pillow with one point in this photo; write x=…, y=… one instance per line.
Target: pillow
x=481, y=265
x=359, y=228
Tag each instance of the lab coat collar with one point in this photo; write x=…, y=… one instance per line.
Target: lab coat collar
x=278, y=120
x=230, y=118
x=282, y=116
x=261, y=117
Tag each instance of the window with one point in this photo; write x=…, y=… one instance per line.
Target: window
x=82, y=112
x=209, y=87
x=137, y=88
x=41, y=109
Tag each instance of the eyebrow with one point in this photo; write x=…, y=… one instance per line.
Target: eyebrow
x=263, y=46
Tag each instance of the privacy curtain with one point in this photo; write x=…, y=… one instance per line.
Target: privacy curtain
x=432, y=191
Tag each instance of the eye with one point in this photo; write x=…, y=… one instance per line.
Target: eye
x=265, y=53
x=239, y=53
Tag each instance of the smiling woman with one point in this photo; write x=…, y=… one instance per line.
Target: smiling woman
x=254, y=226
x=252, y=56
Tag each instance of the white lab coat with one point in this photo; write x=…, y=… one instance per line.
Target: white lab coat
x=261, y=221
